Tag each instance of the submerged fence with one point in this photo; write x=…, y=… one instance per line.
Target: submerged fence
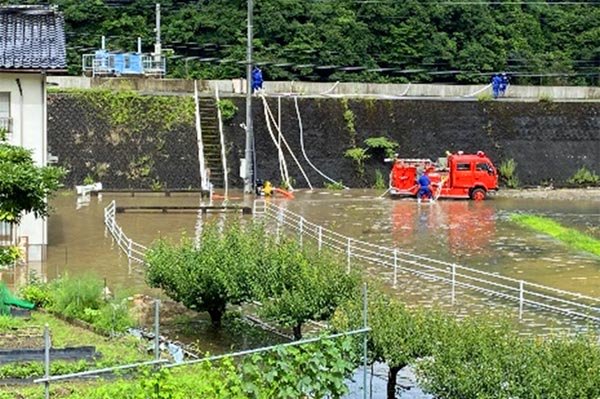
x=455, y=276
x=523, y=293
x=134, y=251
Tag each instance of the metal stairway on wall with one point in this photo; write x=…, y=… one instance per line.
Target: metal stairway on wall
x=211, y=141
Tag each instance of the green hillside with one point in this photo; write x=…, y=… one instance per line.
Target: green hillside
x=538, y=42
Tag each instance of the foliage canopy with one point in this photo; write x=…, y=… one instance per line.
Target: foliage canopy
x=385, y=41
x=24, y=186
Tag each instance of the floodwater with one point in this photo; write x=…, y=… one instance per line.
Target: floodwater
x=473, y=234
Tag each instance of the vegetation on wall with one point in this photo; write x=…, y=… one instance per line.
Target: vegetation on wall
x=359, y=156
x=508, y=173
x=138, y=112
x=584, y=177
x=379, y=180
x=228, y=109
x=383, y=145
x=350, y=119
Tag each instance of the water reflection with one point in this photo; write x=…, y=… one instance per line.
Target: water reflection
x=463, y=227
x=474, y=234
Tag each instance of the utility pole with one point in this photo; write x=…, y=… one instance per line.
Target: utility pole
x=157, y=45
x=249, y=180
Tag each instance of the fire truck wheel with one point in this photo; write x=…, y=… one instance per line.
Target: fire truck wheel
x=478, y=194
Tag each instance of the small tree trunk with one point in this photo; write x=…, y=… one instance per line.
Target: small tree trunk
x=298, y=332
x=216, y=314
x=391, y=383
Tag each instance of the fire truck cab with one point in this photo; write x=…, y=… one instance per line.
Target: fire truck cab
x=456, y=176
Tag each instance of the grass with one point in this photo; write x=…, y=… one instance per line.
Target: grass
x=571, y=237
x=113, y=351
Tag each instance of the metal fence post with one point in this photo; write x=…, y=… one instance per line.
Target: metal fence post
x=301, y=228
x=453, y=283
x=521, y=295
x=156, y=329
x=395, y=268
x=365, y=353
x=46, y=361
x=348, y=254
x=157, y=341
x=320, y=237
x=129, y=246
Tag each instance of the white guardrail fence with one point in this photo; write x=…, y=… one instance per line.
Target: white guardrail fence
x=135, y=252
x=456, y=276
x=520, y=291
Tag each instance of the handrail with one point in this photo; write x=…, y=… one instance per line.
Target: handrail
x=495, y=285
x=134, y=251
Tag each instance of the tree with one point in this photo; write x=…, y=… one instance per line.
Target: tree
x=399, y=336
x=302, y=284
x=24, y=186
x=210, y=275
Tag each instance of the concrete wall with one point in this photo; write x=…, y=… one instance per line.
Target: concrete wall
x=237, y=86
x=549, y=141
x=29, y=130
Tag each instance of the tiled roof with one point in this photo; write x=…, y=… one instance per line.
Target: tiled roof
x=32, y=39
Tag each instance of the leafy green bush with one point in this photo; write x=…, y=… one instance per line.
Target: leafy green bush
x=38, y=294
x=210, y=276
x=88, y=179
x=303, y=284
x=72, y=296
x=334, y=186
x=507, y=171
x=9, y=255
x=359, y=156
x=480, y=359
x=228, y=109
x=484, y=97
x=584, y=177
x=379, y=181
x=113, y=317
x=387, y=146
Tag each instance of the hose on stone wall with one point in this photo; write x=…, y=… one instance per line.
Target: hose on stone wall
x=478, y=91
x=304, y=151
x=270, y=115
x=282, y=165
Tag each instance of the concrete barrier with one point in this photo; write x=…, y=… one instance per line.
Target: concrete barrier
x=238, y=86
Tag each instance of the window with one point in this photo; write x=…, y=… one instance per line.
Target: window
x=483, y=167
x=463, y=166
x=5, y=112
x=127, y=64
x=4, y=105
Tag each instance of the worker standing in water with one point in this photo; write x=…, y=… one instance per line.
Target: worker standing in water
x=268, y=189
x=424, y=187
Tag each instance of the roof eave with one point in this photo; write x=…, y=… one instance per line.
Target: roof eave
x=56, y=71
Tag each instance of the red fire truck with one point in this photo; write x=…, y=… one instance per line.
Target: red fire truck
x=456, y=176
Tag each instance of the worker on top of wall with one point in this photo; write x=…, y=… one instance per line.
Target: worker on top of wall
x=257, y=79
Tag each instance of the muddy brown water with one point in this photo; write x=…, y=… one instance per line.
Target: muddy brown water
x=473, y=234
x=478, y=235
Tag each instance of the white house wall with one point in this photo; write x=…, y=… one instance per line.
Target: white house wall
x=29, y=118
